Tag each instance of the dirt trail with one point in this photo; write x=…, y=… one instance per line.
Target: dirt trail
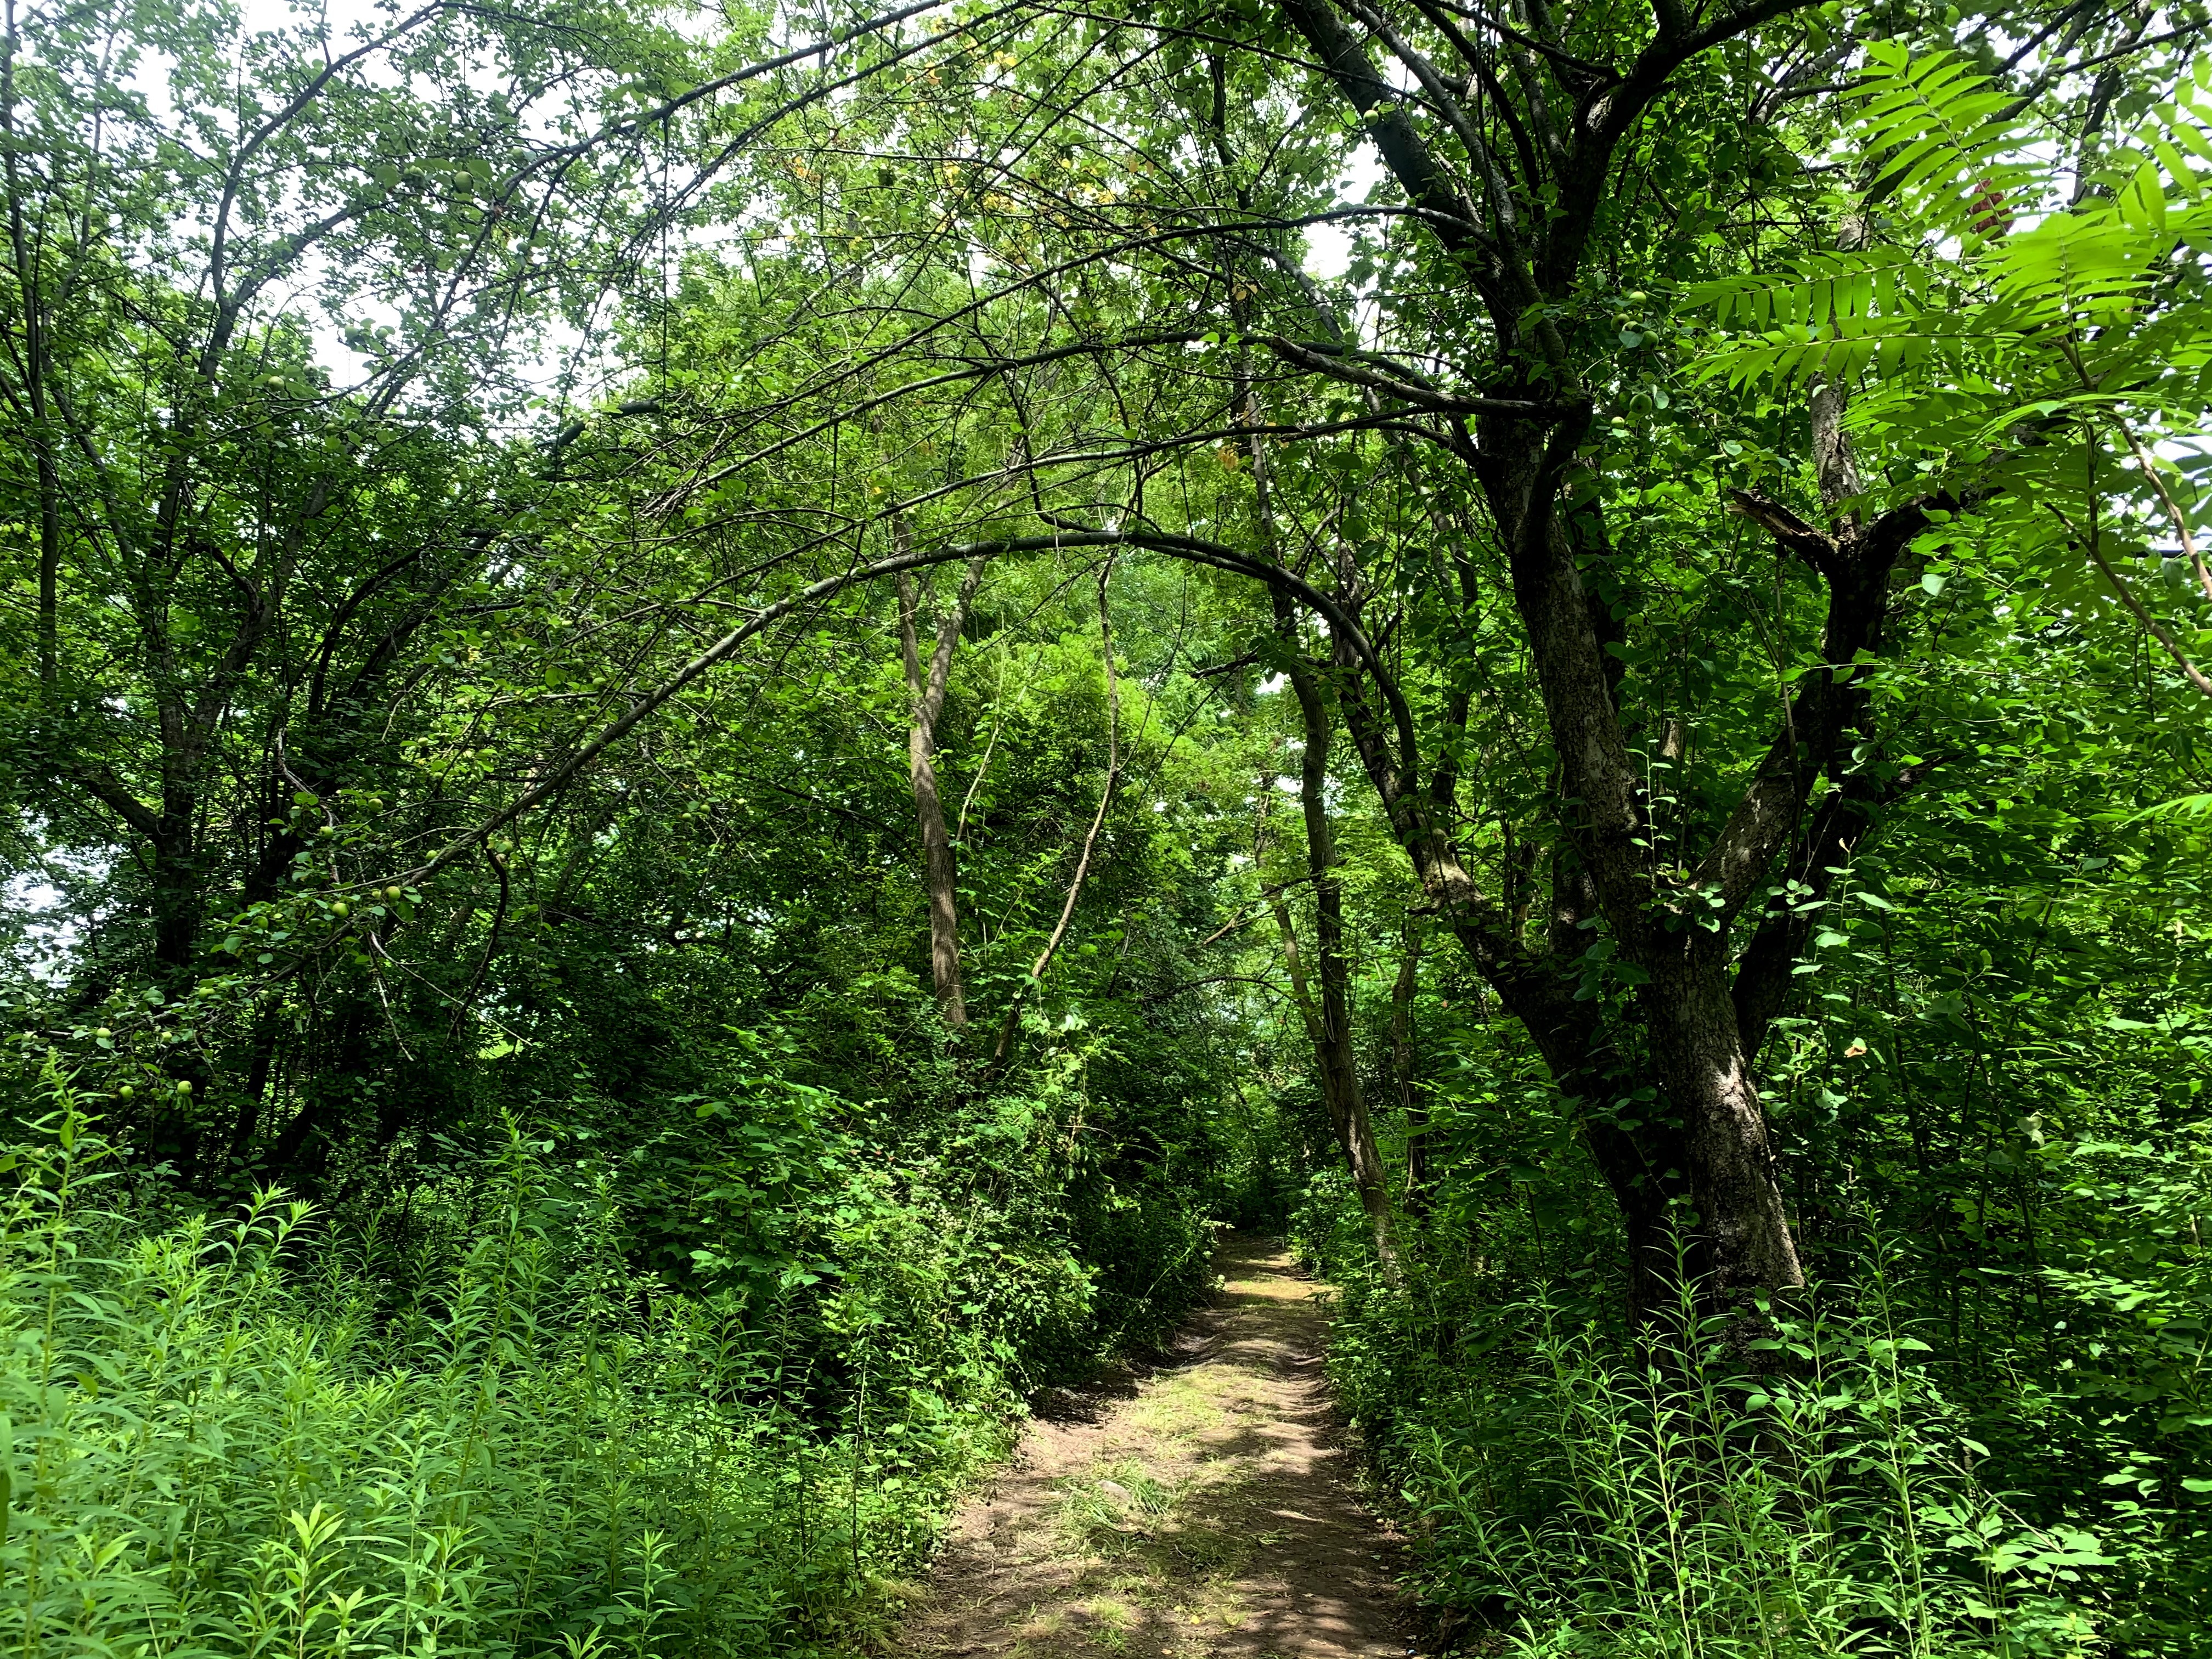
x=1206, y=1509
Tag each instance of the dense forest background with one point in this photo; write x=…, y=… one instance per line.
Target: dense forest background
x=715, y=720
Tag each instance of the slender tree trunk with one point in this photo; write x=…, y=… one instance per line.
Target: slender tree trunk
x=1331, y=1024
x=1348, y=1117
x=328, y=1075
x=247, y=1123
x=1355, y=1126
x=925, y=689
x=1403, y=1065
x=35, y=364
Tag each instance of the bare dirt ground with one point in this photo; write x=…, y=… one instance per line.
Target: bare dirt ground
x=1206, y=1511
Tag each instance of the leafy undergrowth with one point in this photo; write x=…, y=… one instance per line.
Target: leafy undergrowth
x=1569, y=1496
x=244, y=1437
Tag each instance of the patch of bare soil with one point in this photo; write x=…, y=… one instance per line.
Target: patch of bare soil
x=1207, y=1508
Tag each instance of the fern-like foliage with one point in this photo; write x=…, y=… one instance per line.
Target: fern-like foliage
x=1945, y=137
x=2053, y=356
x=1997, y=272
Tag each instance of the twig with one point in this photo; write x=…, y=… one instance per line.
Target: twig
x=983, y=766
x=1247, y=920
x=491, y=943
x=2174, y=510
x=2128, y=599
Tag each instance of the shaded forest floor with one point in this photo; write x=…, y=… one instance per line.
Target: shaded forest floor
x=1207, y=1508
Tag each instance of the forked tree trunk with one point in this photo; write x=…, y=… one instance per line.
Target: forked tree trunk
x=1697, y=1062
x=926, y=692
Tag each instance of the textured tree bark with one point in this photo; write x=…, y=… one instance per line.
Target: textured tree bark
x=1742, y=1241
x=925, y=690
x=1736, y=1221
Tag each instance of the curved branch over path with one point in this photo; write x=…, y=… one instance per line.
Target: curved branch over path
x=1190, y=548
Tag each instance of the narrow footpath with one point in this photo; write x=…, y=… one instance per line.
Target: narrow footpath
x=1207, y=1508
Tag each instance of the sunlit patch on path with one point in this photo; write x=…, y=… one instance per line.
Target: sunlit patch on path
x=1208, y=1510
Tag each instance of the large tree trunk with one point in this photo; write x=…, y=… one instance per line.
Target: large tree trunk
x=1739, y=1232
x=1743, y=1229
x=925, y=689
x=1704, y=1138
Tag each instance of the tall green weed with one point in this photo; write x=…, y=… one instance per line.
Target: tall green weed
x=465, y=1425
